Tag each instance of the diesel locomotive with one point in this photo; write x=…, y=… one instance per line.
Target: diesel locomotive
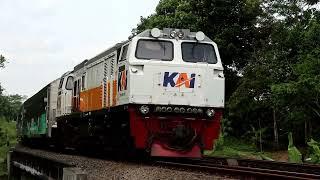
x=161, y=91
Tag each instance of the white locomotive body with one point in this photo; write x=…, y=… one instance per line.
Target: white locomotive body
x=178, y=79
x=137, y=73
x=162, y=91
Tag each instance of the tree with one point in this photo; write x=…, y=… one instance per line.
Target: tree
x=230, y=23
x=269, y=49
x=302, y=93
x=280, y=72
x=2, y=61
x=9, y=109
x=9, y=104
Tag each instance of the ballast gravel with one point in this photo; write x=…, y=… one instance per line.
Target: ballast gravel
x=100, y=169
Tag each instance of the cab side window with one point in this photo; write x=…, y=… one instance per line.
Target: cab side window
x=124, y=53
x=61, y=83
x=75, y=88
x=69, y=84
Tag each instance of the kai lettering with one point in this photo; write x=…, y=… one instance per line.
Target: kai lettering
x=176, y=79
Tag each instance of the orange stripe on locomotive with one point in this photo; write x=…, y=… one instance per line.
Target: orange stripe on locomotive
x=92, y=99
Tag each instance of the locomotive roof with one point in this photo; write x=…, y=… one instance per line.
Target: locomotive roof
x=33, y=103
x=165, y=33
x=99, y=56
x=188, y=35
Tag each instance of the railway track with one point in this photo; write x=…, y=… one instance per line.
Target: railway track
x=245, y=168
x=233, y=168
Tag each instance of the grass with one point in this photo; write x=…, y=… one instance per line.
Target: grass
x=3, y=167
x=8, y=137
x=237, y=148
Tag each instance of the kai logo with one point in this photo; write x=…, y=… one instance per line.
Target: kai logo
x=122, y=80
x=176, y=79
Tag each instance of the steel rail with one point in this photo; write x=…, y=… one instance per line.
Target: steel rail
x=222, y=166
x=264, y=164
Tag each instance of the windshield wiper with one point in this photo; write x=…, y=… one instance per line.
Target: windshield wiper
x=193, y=46
x=163, y=47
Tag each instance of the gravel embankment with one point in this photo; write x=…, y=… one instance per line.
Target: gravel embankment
x=99, y=169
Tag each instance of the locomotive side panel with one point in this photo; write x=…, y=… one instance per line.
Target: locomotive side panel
x=215, y=88
x=108, y=81
x=91, y=87
x=112, y=81
x=103, y=81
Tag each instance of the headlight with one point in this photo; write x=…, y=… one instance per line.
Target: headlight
x=182, y=110
x=173, y=34
x=158, y=109
x=189, y=110
x=176, y=110
x=169, y=109
x=195, y=110
x=155, y=32
x=163, y=109
x=200, y=111
x=181, y=35
x=144, y=109
x=210, y=112
x=200, y=36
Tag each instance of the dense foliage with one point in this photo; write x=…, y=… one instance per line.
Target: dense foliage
x=9, y=104
x=9, y=109
x=7, y=139
x=2, y=61
x=270, y=50
x=271, y=55
x=230, y=23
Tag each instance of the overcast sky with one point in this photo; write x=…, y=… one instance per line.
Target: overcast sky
x=45, y=38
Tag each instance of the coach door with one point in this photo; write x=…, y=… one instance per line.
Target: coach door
x=122, y=74
x=76, y=96
x=65, y=95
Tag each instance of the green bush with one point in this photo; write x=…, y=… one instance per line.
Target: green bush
x=227, y=146
x=294, y=155
x=314, y=152
x=8, y=138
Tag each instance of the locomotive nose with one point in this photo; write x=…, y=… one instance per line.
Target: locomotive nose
x=183, y=137
x=181, y=132
x=182, y=143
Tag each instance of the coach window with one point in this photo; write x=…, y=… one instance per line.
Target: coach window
x=75, y=88
x=83, y=83
x=69, y=83
x=124, y=53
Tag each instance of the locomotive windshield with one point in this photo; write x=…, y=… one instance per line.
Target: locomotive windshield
x=154, y=49
x=198, y=52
